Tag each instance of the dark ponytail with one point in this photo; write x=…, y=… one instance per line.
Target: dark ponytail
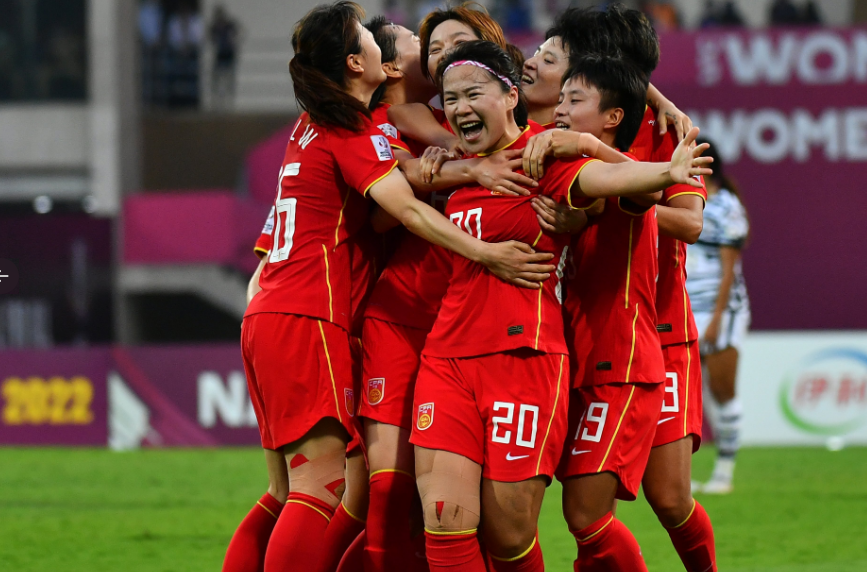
x=322, y=40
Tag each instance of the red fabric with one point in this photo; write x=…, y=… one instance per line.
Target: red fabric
x=296, y=367
x=296, y=543
x=247, y=549
x=611, y=324
x=318, y=208
x=607, y=545
x=611, y=429
x=391, y=360
x=505, y=411
x=482, y=314
x=531, y=562
x=389, y=546
x=681, y=413
x=341, y=532
x=353, y=559
x=694, y=542
x=420, y=563
x=454, y=553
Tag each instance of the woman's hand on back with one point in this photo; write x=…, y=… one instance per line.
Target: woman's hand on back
x=517, y=263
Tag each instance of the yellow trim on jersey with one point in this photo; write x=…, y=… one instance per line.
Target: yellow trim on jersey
x=355, y=518
x=395, y=146
x=569, y=190
x=257, y=251
x=328, y=283
x=310, y=506
x=458, y=533
x=616, y=429
x=538, y=238
x=688, y=359
x=330, y=371
x=632, y=351
x=628, y=265
x=703, y=200
x=398, y=471
x=387, y=173
x=340, y=220
x=694, y=503
x=506, y=146
x=539, y=320
x=604, y=526
x=553, y=415
x=267, y=510
x=518, y=557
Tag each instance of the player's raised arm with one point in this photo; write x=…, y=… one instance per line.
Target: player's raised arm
x=681, y=217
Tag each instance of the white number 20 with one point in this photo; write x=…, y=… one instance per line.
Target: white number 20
x=284, y=207
x=458, y=218
x=507, y=419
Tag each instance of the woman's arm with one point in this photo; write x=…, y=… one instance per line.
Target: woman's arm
x=728, y=258
x=559, y=143
x=415, y=120
x=682, y=218
x=253, y=287
x=512, y=261
x=668, y=113
x=439, y=169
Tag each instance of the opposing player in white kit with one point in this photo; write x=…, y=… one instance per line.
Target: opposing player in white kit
x=716, y=287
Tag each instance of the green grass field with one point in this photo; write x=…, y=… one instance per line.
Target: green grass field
x=793, y=510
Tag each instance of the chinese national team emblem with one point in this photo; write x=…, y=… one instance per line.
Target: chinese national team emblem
x=350, y=402
x=375, y=390
x=425, y=416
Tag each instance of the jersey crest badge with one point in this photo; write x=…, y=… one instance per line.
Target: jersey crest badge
x=375, y=390
x=389, y=129
x=425, y=416
x=349, y=398
x=382, y=148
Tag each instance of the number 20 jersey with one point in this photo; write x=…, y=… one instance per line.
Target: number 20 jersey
x=319, y=206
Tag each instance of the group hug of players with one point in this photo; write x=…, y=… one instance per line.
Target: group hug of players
x=509, y=307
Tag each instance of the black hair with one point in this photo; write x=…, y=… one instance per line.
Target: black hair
x=496, y=58
x=719, y=173
x=621, y=85
x=385, y=37
x=615, y=31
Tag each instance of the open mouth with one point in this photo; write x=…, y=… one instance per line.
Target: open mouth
x=525, y=79
x=471, y=130
x=561, y=125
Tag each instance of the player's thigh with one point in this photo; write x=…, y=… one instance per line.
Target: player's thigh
x=317, y=460
x=588, y=498
x=278, y=475
x=388, y=447
x=450, y=488
x=722, y=368
x=666, y=482
x=357, y=495
x=510, y=514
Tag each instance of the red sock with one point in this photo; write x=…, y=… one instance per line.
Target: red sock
x=388, y=539
x=296, y=543
x=529, y=561
x=607, y=545
x=419, y=561
x=693, y=541
x=246, y=551
x=353, y=558
x=342, y=530
x=454, y=552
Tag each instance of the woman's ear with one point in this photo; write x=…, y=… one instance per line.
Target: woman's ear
x=613, y=117
x=391, y=70
x=513, y=97
x=355, y=63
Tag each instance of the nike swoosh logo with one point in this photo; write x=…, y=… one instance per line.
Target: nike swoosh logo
x=577, y=452
x=509, y=457
x=664, y=420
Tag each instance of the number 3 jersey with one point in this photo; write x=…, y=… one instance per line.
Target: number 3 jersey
x=319, y=206
x=482, y=314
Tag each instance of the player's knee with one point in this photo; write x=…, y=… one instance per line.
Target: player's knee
x=322, y=478
x=671, y=507
x=450, y=516
x=280, y=491
x=510, y=540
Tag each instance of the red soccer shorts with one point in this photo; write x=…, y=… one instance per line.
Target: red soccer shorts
x=506, y=411
x=391, y=359
x=611, y=429
x=299, y=371
x=681, y=405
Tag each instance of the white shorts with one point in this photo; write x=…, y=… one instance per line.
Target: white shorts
x=732, y=331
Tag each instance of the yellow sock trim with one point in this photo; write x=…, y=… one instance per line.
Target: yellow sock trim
x=346, y=510
x=518, y=557
x=374, y=473
x=604, y=526
x=459, y=533
x=687, y=518
x=267, y=510
x=311, y=507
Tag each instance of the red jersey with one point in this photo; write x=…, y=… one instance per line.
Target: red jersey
x=482, y=314
x=411, y=288
x=611, y=298
x=319, y=206
x=675, y=322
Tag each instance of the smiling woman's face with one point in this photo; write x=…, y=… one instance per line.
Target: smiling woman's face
x=477, y=108
x=445, y=37
x=543, y=73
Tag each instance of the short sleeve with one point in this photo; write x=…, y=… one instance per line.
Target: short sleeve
x=680, y=190
x=364, y=158
x=391, y=133
x=735, y=226
x=266, y=239
x=560, y=176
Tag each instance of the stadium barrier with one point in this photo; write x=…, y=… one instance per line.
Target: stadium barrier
x=800, y=388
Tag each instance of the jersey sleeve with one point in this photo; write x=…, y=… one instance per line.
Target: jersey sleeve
x=364, y=158
x=266, y=239
x=663, y=153
x=680, y=190
x=736, y=226
x=560, y=177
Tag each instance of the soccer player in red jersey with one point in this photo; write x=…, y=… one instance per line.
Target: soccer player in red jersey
x=490, y=399
x=617, y=362
x=295, y=334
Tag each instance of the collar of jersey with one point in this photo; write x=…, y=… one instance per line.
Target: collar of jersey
x=505, y=146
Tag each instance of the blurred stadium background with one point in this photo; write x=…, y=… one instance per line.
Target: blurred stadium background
x=139, y=147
